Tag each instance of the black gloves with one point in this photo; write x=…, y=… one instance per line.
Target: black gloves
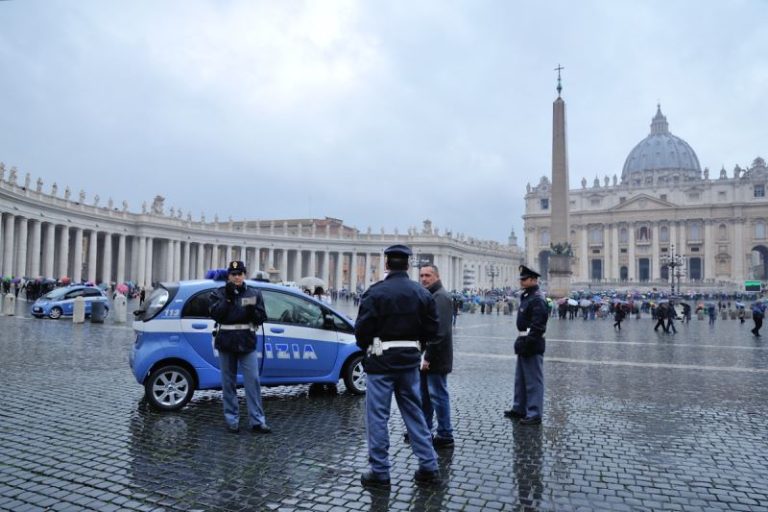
x=230, y=290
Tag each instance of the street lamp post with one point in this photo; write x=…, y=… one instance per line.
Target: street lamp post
x=674, y=262
x=492, y=272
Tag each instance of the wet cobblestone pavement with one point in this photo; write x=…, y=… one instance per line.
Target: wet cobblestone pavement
x=634, y=420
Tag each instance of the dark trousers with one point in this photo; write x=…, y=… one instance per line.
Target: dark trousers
x=758, y=324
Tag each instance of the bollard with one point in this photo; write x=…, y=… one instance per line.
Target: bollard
x=120, y=305
x=98, y=312
x=78, y=310
x=9, y=306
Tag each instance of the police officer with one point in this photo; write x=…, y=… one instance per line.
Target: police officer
x=395, y=315
x=238, y=311
x=532, y=316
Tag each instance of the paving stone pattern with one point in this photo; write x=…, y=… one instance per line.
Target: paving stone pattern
x=633, y=421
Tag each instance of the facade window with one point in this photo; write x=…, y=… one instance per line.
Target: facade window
x=721, y=196
x=622, y=199
x=694, y=232
x=623, y=235
x=760, y=230
x=759, y=190
x=694, y=196
x=694, y=269
x=644, y=269
x=595, y=235
x=644, y=234
x=544, y=203
x=596, y=270
x=664, y=234
x=595, y=202
x=544, y=237
x=624, y=273
x=722, y=232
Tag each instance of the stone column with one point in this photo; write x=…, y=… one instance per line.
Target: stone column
x=21, y=256
x=106, y=268
x=93, y=240
x=270, y=258
x=337, y=282
x=631, y=250
x=169, y=252
x=585, y=252
x=185, y=269
x=9, y=245
x=150, y=268
x=284, y=264
x=200, y=263
x=49, y=250
x=64, y=252
x=382, y=266
x=121, y=258
x=227, y=255
x=34, y=269
x=141, y=272
x=312, y=262
x=177, y=260
x=77, y=259
x=353, y=272
x=367, y=270
x=325, y=269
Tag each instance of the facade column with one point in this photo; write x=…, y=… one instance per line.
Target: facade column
x=270, y=258
x=300, y=264
x=339, y=271
x=367, y=272
x=77, y=259
x=133, y=271
x=325, y=268
x=34, y=269
x=584, y=270
x=121, y=258
x=382, y=265
x=655, y=254
x=106, y=258
x=21, y=256
x=353, y=272
x=49, y=250
x=169, y=260
x=709, y=250
x=93, y=241
x=631, y=250
x=177, y=260
x=284, y=264
x=187, y=264
x=9, y=244
x=738, y=254
x=227, y=255
x=64, y=252
x=312, y=263
x=141, y=256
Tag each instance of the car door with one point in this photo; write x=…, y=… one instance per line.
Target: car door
x=299, y=340
x=68, y=302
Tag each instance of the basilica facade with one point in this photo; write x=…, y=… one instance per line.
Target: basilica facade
x=663, y=218
x=54, y=234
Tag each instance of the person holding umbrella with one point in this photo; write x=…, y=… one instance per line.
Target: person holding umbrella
x=758, y=312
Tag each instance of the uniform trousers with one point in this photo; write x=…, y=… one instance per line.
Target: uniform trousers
x=378, y=404
x=249, y=368
x=529, y=386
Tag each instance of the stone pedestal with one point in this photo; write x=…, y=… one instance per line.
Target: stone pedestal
x=559, y=281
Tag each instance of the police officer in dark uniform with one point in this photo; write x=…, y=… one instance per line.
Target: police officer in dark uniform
x=395, y=315
x=239, y=311
x=532, y=316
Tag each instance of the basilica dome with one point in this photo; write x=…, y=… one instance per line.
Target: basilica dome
x=661, y=157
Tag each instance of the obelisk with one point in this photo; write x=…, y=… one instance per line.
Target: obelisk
x=559, y=282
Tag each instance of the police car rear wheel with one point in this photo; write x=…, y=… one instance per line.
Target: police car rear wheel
x=55, y=313
x=169, y=388
x=354, y=376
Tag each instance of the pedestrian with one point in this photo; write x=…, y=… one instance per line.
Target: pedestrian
x=758, y=312
x=395, y=315
x=239, y=311
x=618, y=316
x=671, y=315
x=528, y=404
x=457, y=303
x=712, y=312
x=661, y=317
x=438, y=361
x=142, y=296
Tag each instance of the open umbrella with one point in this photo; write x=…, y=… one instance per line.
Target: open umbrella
x=585, y=303
x=310, y=283
x=122, y=288
x=572, y=302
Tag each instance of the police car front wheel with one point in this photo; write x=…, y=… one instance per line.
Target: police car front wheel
x=354, y=375
x=169, y=388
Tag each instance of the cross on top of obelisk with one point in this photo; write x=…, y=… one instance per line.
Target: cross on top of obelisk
x=559, y=85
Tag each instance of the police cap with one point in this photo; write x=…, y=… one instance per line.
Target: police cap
x=398, y=250
x=526, y=272
x=236, y=267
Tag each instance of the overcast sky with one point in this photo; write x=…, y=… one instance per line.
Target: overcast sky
x=382, y=114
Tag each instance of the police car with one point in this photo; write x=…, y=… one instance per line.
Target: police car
x=61, y=301
x=303, y=341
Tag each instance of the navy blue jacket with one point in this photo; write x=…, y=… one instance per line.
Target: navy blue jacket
x=532, y=314
x=228, y=310
x=395, y=309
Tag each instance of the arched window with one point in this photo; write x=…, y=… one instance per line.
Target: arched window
x=664, y=234
x=595, y=235
x=694, y=232
x=623, y=235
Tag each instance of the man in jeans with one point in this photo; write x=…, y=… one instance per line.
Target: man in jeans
x=438, y=361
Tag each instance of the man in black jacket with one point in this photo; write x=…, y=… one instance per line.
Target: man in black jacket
x=238, y=311
x=395, y=315
x=438, y=361
x=532, y=316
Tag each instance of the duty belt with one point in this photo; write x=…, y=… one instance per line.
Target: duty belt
x=378, y=347
x=524, y=333
x=236, y=327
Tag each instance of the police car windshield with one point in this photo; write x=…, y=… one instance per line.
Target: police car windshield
x=56, y=294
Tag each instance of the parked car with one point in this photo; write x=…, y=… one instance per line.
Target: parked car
x=303, y=341
x=60, y=302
